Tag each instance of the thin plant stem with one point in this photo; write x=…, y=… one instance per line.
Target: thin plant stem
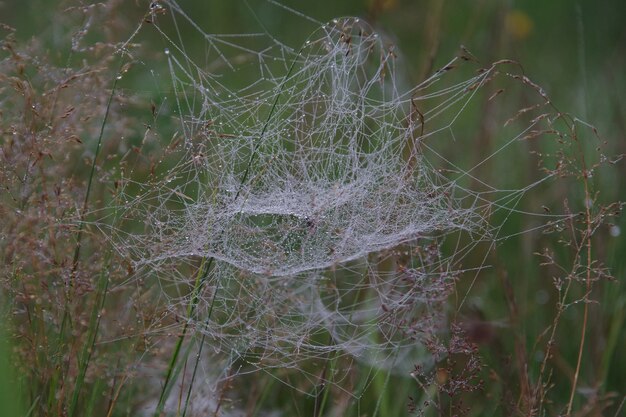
x=200, y=278
x=101, y=295
x=92, y=171
x=209, y=261
x=583, y=331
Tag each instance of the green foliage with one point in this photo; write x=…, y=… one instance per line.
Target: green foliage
x=11, y=393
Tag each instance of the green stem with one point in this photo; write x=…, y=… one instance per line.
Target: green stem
x=208, y=261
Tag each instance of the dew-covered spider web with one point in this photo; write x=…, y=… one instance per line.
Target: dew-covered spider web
x=306, y=210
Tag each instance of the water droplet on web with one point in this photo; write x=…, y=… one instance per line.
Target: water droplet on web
x=167, y=51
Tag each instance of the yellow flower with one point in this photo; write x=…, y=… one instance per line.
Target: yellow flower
x=518, y=24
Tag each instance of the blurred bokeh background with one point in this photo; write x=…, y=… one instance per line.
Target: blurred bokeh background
x=572, y=48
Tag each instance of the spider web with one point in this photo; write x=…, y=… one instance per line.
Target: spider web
x=309, y=190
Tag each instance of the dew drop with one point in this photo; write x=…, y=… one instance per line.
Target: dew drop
x=167, y=51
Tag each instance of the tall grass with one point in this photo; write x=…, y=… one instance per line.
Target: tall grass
x=85, y=334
